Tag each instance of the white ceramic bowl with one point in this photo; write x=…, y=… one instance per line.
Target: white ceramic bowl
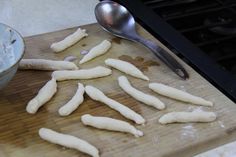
x=15, y=46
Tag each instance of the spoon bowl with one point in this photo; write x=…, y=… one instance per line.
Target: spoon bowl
x=116, y=19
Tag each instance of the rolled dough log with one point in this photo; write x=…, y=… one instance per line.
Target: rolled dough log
x=178, y=94
x=126, y=67
x=92, y=73
x=43, y=64
x=69, y=40
x=98, y=50
x=98, y=95
x=184, y=117
x=138, y=95
x=110, y=124
x=68, y=141
x=43, y=96
x=74, y=103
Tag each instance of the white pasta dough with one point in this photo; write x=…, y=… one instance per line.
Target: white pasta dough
x=74, y=103
x=178, y=94
x=43, y=96
x=95, y=72
x=110, y=124
x=98, y=95
x=140, y=96
x=184, y=117
x=126, y=67
x=68, y=141
x=69, y=40
x=43, y=64
x=98, y=50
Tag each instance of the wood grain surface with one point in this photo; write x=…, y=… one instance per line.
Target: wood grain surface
x=19, y=130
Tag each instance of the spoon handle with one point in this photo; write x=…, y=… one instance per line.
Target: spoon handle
x=162, y=54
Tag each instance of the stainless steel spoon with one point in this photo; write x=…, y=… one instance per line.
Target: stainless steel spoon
x=117, y=20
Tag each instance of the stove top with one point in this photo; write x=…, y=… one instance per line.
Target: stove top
x=210, y=25
x=202, y=33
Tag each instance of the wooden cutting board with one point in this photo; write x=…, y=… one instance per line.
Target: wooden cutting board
x=19, y=130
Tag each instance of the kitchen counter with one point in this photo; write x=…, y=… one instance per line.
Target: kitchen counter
x=31, y=17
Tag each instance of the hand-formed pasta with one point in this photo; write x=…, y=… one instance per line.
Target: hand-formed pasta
x=98, y=95
x=126, y=67
x=43, y=96
x=98, y=50
x=69, y=40
x=110, y=124
x=74, y=103
x=140, y=96
x=68, y=141
x=184, y=117
x=44, y=64
x=178, y=94
x=81, y=74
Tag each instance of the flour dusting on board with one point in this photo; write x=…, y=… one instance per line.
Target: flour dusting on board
x=194, y=108
x=188, y=132
x=155, y=140
x=153, y=119
x=221, y=124
x=182, y=88
x=198, y=109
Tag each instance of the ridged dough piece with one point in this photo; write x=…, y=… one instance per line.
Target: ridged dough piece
x=139, y=95
x=81, y=74
x=185, y=117
x=96, y=51
x=178, y=94
x=74, y=103
x=69, y=40
x=68, y=141
x=110, y=124
x=44, y=64
x=98, y=95
x=43, y=96
x=126, y=67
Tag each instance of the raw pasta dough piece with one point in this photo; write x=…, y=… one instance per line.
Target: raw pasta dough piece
x=43, y=96
x=140, y=96
x=69, y=40
x=43, y=64
x=68, y=141
x=74, y=103
x=110, y=124
x=98, y=95
x=95, y=72
x=178, y=94
x=184, y=117
x=98, y=50
x=126, y=67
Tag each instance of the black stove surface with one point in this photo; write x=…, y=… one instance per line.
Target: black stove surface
x=201, y=32
x=210, y=25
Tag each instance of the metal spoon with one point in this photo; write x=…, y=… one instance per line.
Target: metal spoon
x=117, y=20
